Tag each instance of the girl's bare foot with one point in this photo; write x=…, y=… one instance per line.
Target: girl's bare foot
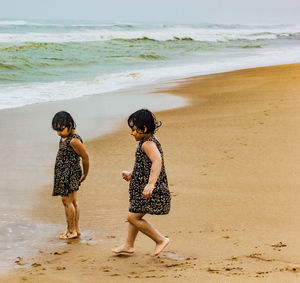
x=123, y=250
x=160, y=247
x=68, y=235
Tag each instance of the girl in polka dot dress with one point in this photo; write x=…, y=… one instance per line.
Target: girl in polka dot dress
x=148, y=188
x=68, y=174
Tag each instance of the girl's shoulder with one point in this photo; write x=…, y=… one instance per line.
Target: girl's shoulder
x=74, y=136
x=153, y=139
x=150, y=139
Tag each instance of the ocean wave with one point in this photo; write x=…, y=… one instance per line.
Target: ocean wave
x=250, y=46
x=151, y=57
x=183, y=38
x=144, y=38
x=289, y=36
x=26, y=23
x=32, y=46
x=17, y=95
x=8, y=67
x=296, y=35
x=129, y=32
x=73, y=61
x=13, y=23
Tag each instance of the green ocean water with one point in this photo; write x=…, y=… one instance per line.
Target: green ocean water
x=48, y=61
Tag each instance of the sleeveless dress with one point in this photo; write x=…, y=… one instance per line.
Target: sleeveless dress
x=159, y=202
x=67, y=170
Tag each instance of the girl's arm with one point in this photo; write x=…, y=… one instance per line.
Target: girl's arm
x=153, y=153
x=81, y=151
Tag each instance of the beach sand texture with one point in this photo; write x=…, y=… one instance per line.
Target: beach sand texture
x=232, y=159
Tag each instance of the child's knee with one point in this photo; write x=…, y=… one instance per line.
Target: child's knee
x=65, y=201
x=130, y=218
x=75, y=203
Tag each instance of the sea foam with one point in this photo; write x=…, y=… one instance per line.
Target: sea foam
x=18, y=95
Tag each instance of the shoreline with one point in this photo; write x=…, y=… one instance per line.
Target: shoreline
x=151, y=84
x=238, y=114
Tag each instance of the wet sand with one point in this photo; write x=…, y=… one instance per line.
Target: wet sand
x=28, y=150
x=232, y=161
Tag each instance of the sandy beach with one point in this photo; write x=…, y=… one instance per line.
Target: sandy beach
x=232, y=162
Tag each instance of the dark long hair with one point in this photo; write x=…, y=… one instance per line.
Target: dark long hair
x=144, y=119
x=63, y=119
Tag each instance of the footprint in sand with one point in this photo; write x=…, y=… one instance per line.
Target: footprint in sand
x=210, y=270
x=291, y=269
x=19, y=261
x=172, y=255
x=60, y=268
x=60, y=253
x=35, y=264
x=172, y=265
x=233, y=258
x=279, y=246
x=233, y=268
x=258, y=256
x=110, y=237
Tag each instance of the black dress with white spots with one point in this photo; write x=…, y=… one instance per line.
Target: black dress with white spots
x=159, y=202
x=67, y=171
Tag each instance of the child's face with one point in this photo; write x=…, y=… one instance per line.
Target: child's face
x=63, y=131
x=137, y=133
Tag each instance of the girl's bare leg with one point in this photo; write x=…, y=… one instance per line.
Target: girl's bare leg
x=128, y=246
x=77, y=213
x=70, y=217
x=136, y=219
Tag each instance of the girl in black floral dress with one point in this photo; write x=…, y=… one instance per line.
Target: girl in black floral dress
x=148, y=188
x=67, y=172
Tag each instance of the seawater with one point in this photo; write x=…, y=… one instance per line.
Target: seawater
x=49, y=61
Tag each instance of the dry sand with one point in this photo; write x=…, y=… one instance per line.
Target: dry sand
x=232, y=160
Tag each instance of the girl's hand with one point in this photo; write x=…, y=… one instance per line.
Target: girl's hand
x=82, y=178
x=147, y=192
x=126, y=175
